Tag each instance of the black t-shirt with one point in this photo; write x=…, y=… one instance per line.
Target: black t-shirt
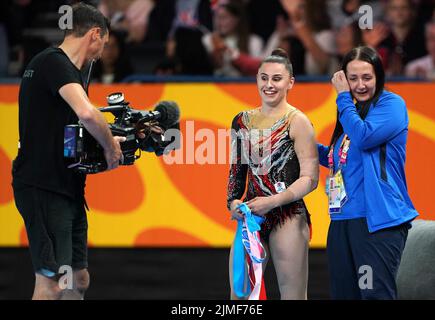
x=43, y=114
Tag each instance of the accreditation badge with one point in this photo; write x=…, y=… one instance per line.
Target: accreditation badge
x=280, y=187
x=337, y=196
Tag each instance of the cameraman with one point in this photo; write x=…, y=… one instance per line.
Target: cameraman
x=48, y=195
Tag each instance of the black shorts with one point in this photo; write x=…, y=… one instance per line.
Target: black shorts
x=56, y=227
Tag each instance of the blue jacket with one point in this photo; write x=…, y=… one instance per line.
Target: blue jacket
x=381, y=137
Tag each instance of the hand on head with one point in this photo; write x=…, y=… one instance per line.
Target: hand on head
x=339, y=81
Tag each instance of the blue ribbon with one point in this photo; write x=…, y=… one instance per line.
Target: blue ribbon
x=253, y=223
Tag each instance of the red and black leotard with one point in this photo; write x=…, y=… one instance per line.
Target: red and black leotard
x=263, y=168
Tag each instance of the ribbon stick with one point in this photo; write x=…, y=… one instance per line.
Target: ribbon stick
x=248, y=253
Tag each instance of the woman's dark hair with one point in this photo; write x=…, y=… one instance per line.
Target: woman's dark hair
x=317, y=15
x=369, y=55
x=238, y=10
x=280, y=56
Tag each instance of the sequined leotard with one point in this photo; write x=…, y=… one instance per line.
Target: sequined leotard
x=266, y=157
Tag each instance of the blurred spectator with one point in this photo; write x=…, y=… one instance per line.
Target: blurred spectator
x=114, y=64
x=346, y=38
x=305, y=36
x=4, y=43
x=231, y=34
x=262, y=16
x=425, y=9
x=167, y=67
x=130, y=16
x=4, y=51
x=168, y=15
x=346, y=12
x=424, y=67
x=17, y=15
x=160, y=21
x=405, y=40
x=187, y=55
x=234, y=34
x=284, y=37
x=192, y=14
x=308, y=32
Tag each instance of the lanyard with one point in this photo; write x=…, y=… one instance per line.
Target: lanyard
x=342, y=154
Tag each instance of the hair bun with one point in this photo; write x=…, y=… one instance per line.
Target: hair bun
x=280, y=53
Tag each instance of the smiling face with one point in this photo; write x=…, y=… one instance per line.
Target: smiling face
x=362, y=80
x=273, y=82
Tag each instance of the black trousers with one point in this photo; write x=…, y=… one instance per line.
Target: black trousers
x=364, y=265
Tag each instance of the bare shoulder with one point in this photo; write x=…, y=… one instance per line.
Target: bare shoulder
x=300, y=125
x=300, y=118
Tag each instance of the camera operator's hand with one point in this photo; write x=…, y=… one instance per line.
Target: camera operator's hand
x=114, y=155
x=153, y=128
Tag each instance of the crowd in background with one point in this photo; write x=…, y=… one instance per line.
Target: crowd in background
x=229, y=37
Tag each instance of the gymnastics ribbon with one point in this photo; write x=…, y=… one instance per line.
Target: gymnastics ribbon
x=248, y=255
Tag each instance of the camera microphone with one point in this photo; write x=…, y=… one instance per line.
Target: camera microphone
x=167, y=113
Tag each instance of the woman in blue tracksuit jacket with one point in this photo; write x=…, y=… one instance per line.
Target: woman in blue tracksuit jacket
x=368, y=231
